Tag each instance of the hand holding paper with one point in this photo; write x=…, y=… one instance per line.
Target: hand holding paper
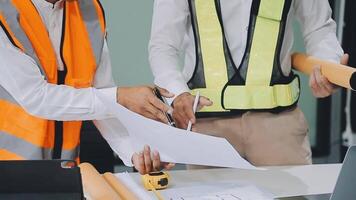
x=147, y=161
x=175, y=145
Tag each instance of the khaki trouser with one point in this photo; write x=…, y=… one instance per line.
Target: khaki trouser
x=263, y=138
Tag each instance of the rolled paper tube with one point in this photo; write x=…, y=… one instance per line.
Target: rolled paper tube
x=95, y=186
x=120, y=188
x=338, y=74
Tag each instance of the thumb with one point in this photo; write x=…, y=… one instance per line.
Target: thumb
x=165, y=93
x=203, y=101
x=345, y=59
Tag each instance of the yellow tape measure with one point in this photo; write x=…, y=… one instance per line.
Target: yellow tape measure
x=156, y=181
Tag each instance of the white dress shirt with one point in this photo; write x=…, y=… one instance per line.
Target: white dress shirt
x=21, y=77
x=172, y=37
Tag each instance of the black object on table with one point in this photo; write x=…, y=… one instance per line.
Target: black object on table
x=39, y=180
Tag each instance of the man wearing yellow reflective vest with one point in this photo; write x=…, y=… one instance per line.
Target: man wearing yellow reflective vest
x=54, y=60
x=237, y=55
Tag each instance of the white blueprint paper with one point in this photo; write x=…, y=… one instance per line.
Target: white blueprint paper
x=177, y=145
x=218, y=190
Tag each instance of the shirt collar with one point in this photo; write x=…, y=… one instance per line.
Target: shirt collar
x=46, y=4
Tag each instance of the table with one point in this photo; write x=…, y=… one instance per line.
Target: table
x=281, y=181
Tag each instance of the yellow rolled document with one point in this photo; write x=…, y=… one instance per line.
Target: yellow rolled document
x=95, y=185
x=338, y=74
x=120, y=188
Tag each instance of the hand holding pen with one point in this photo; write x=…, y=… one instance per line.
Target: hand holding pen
x=142, y=100
x=164, y=100
x=195, y=106
x=183, y=108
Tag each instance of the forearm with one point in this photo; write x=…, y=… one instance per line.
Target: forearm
x=169, y=25
x=22, y=79
x=64, y=103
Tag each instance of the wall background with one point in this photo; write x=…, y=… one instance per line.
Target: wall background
x=129, y=27
x=129, y=24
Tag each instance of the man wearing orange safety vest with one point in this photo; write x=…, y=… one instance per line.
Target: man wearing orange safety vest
x=237, y=56
x=53, y=59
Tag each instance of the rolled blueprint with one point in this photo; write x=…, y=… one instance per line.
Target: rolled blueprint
x=338, y=74
x=120, y=188
x=95, y=186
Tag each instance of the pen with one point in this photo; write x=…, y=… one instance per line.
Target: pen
x=195, y=105
x=168, y=116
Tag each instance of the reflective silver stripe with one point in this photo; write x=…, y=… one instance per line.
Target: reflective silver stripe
x=91, y=20
x=23, y=148
x=70, y=154
x=11, y=16
x=5, y=95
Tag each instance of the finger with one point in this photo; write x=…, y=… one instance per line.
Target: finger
x=168, y=166
x=156, y=114
x=135, y=161
x=156, y=161
x=139, y=162
x=149, y=115
x=345, y=59
x=179, y=117
x=170, y=111
x=176, y=118
x=328, y=86
x=314, y=85
x=189, y=114
x=142, y=163
x=159, y=104
x=188, y=110
x=175, y=115
x=205, y=101
x=147, y=159
x=181, y=124
x=319, y=79
x=150, y=87
x=323, y=81
x=180, y=121
x=312, y=81
x=165, y=93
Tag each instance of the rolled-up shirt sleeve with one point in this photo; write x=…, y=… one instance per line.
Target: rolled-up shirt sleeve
x=319, y=29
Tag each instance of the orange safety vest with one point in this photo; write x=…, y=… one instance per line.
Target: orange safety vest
x=23, y=136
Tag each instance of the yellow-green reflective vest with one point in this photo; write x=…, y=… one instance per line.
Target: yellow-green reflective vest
x=258, y=83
